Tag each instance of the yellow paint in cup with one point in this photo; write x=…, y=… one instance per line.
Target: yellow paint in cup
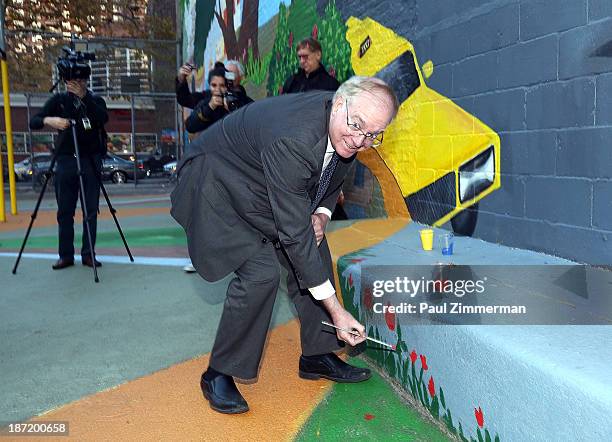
x=427, y=239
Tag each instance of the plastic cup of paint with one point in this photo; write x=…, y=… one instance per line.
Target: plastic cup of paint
x=447, y=243
x=427, y=239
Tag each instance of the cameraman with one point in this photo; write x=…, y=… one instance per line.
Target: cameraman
x=89, y=114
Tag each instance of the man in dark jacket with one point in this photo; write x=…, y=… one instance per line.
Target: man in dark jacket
x=250, y=197
x=311, y=75
x=88, y=111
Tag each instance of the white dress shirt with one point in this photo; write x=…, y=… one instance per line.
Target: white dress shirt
x=326, y=289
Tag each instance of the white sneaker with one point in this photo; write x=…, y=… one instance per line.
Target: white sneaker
x=189, y=268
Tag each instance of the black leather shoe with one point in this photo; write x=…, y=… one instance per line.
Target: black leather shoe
x=62, y=263
x=221, y=392
x=86, y=260
x=330, y=366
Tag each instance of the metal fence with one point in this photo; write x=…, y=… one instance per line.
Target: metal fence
x=140, y=127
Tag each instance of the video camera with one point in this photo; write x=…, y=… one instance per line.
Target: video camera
x=73, y=64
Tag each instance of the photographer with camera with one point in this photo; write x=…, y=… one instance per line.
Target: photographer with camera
x=212, y=106
x=87, y=112
x=236, y=94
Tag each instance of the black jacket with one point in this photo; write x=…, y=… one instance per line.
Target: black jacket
x=203, y=116
x=185, y=97
x=319, y=79
x=251, y=179
x=91, y=141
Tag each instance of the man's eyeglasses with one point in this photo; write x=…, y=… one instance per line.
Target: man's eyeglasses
x=373, y=140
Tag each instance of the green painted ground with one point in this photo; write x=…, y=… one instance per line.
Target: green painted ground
x=170, y=236
x=367, y=411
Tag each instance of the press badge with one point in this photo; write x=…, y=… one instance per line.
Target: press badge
x=86, y=123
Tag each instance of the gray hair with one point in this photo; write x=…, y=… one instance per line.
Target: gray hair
x=356, y=85
x=237, y=64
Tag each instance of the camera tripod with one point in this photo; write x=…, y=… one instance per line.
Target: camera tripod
x=86, y=217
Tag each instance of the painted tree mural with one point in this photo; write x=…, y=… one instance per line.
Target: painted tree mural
x=336, y=50
x=283, y=62
x=236, y=46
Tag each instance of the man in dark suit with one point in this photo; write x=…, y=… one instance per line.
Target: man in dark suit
x=311, y=75
x=255, y=193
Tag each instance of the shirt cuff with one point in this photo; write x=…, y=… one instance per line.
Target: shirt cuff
x=325, y=211
x=323, y=291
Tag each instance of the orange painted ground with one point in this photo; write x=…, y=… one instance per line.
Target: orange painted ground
x=168, y=405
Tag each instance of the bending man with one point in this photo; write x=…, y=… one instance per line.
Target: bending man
x=256, y=193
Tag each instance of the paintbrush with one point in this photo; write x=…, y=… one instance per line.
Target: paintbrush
x=354, y=333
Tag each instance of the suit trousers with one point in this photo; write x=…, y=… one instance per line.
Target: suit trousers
x=247, y=311
x=67, y=189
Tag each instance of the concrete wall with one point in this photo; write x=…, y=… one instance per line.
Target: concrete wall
x=539, y=73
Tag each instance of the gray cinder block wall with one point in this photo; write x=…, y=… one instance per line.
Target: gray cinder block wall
x=539, y=72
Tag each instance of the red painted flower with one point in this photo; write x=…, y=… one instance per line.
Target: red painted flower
x=315, y=31
x=332, y=71
x=390, y=319
x=290, y=39
x=431, y=387
x=355, y=260
x=424, y=362
x=413, y=356
x=479, y=416
x=350, y=280
x=368, y=416
x=368, y=300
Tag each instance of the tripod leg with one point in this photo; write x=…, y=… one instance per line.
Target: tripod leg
x=34, y=213
x=83, y=203
x=112, y=211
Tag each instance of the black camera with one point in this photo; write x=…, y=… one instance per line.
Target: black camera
x=73, y=64
x=232, y=100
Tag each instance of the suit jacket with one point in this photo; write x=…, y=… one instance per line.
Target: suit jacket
x=250, y=178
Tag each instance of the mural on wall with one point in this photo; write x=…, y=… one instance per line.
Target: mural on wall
x=443, y=159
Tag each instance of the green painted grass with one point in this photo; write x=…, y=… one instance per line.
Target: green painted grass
x=135, y=238
x=343, y=415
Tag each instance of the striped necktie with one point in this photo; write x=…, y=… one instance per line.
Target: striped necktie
x=324, y=181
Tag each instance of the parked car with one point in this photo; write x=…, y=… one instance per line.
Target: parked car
x=443, y=158
x=120, y=170
x=155, y=163
x=24, y=170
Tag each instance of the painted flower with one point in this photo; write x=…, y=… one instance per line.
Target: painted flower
x=332, y=71
x=390, y=319
x=315, y=31
x=290, y=39
x=424, y=362
x=368, y=416
x=479, y=416
x=413, y=356
x=356, y=260
x=368, y=300
x=431, y=387
x=350, y=280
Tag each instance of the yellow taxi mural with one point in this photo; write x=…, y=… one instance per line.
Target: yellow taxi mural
x=443, y=159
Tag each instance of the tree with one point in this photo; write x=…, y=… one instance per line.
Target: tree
x=283, y=62
x=336, y=50
x=236, y=47
x=37, y=29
